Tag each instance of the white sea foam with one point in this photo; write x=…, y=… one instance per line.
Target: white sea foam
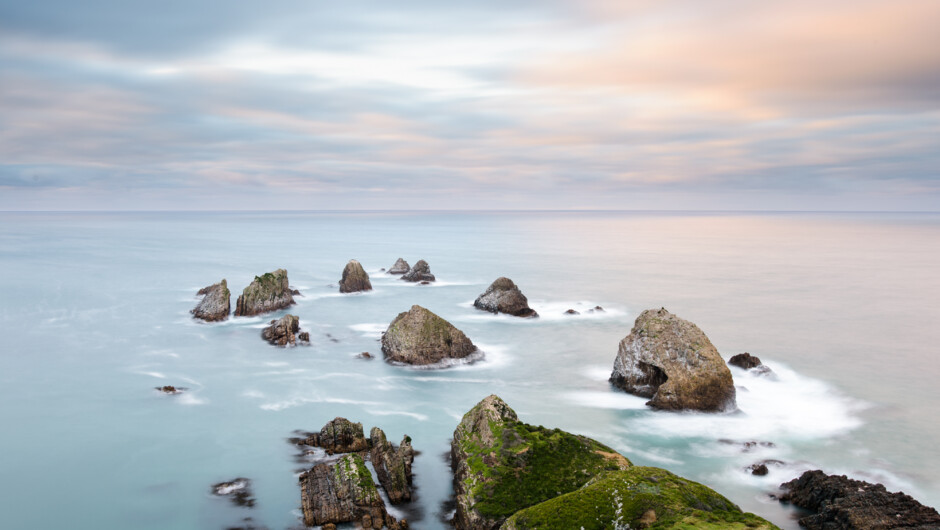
x=555, y=311
x=606, y=400
x=372, y=330
x=301, y=400
x=255, y=394
x=597, y=372
x=415, y=415
x=188, y=398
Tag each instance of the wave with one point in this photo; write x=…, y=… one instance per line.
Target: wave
x=415, y=415
x=302, y=400
x=372, y=330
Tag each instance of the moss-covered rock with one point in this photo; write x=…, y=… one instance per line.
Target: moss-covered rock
x=341, y=492
x=268, y=292
x=502, y=465
x=502, y=296
x=637, y=497
x=671, y=361
x=216, y=302
x=419, y=337
x=354, y=278
x=392, y=465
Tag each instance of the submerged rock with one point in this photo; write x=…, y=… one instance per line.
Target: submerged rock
x=339, y=435
x=420, y=272
x=419, y=337
x=342, y=492
x=238, y=491
x=400, y=267
x=572, y=312
x=365, y=355
x=354, y=278
x=502, y=296
x=749, y=362
x=841, y=502
x=283, y=331
x=671, y=361
x=392, y=465
x=216, y=302
x=266, y=293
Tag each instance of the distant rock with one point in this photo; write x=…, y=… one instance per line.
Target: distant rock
x=266, y=293
x=420, y=272
x=419, y=337
x=392, y=465
x=572, y=312
x=238, y=491
x=748, y=446
x=339, y=435
x=841, y=502
x=170, y=389
x=283, y=331
x=365, y=355
x=354, y=278
x=502, y=296
x=400, y=267
x=671, y=361
x=215, y=304
x=597, y=309
x=750, y=362
x=341, y=492
x=304, y=337
x=759, y=469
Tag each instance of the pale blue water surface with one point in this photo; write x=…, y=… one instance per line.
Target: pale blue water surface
x=94, y=313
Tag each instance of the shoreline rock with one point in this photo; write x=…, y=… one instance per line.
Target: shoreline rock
x=216, y=302
x=355, y=279
x=419, y=337
x=419, y=272
x=268, y=292
x=503, y=296
x=671, y=361
x=400, y=267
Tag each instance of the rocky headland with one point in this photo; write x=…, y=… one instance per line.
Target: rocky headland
x=671, y=361
x=419, y=337
x=502, y=296
x=216, y=302
x=269, y=292
x=355, y=278
x=419, y=272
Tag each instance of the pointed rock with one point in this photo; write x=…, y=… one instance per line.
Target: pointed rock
x=419, y=337
x=266, y=293
x=392, y=465
x=400, y=267
x=354, y=278
x=502, y=296
x=420, y=272
x=216, y=302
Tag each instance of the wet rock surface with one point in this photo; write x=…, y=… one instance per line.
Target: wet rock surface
x=392, y=465
x=355, y=279
x=215, y=304
x=419, y=272
x=268, y=292
x=503, y=296
x=419, y=337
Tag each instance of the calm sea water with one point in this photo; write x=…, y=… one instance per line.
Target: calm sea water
x=94, y=315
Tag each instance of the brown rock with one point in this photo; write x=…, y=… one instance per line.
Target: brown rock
x=339, y=435
x=282, y=332
x=215, y=304
x=419, y=337
x=392, y=465
x=355, y=278
x=502, y=296
x=266, y=293
x=400, y=267
x=420, y=272
x=342, y=492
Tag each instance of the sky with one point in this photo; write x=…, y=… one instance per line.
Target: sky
x=588, y=104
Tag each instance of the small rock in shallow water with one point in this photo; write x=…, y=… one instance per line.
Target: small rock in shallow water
x=364, y=355
x=238, y=491
x=572, y=312
x=759, y=469
x=170, y=389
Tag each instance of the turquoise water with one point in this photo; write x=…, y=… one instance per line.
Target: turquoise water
x=94, y=314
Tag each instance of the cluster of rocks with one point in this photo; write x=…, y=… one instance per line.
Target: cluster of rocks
x=269, y=292
x=343, y=491
x=420, y=272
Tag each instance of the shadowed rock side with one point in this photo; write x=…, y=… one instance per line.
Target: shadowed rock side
x=844, y=503
x=339, y=435
x=671, y=361
x=749, y=362
x=216, y=302
x=502, y=465
x=342, y=492
x=400, y=267
x=419, y=337
x=502, y=296
x=392, y=465
x=420, y=272
x=266, y=293
x=354, y=278
x=283, y=331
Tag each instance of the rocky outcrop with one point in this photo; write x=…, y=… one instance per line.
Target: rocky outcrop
x=400, y=267
x=339, y=435
x=354, y=278
x=266, y=293
x=238, y=491
x=392, y=465
x=749, y=362
x=283, y=331
x=671, y=361
x=502, y=296
x=419, y=337
x=342, y=492
x=844, y=503
x=502, y=465
x=216, y=302
x=420, y=272
x=170, y=389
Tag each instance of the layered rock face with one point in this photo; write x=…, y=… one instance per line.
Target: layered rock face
x=671, y=361
x=420, y=272
x=502, y=296
x=268, y=292
x=339, y=435
x=283, y=331
x=844, y=503
x=400, y=267
x=419, y=337
x=342, y=492
x=216, y=302
x=354, y=278
x=392, y=465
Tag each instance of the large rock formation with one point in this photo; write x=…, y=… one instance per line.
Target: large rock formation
x=339, y=435
x=400, y=267
x=283, y=331
x=502, y=465
x=671, y=361
x=419, y=337
x=342, y=492
x=419, y=272
x=392, y=465
x=844, y=503
x=215, y=304
x=266, y=293
x=502, y=296
x=354, y=278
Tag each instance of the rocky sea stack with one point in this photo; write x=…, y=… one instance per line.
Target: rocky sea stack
x=400, y=267
x=339, y=435
x=671, y=361
x=392, y=465
x=341, y=492
x=284, y=331
x=216, y=302
x=354, y=278
x=420, y=272
x=502, y=296
x=269, y=292
x=419, y=337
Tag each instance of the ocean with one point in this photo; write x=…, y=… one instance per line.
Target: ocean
x=94, y=313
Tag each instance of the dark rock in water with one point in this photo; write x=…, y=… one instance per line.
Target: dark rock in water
x=238, y=491
x=843, y=503
x=748, y=446
x=419, y=272
x=266, y=293
x=355, y=278
x=502, y=296
x=282, y=332
x=400, y=267
x=382, y=269
x=304, y=336
x=295, y=292
x=599, y=309
x=339, y=435
x=392, y=465
x=419, y=337
x=342, y=492
x=572, y=312
x=247, y=524
x=425, y=282
x=365, y=355
x=750, y=362
x=759, y=469
x=671, y=361
x=170, y=389
x=215, y=304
